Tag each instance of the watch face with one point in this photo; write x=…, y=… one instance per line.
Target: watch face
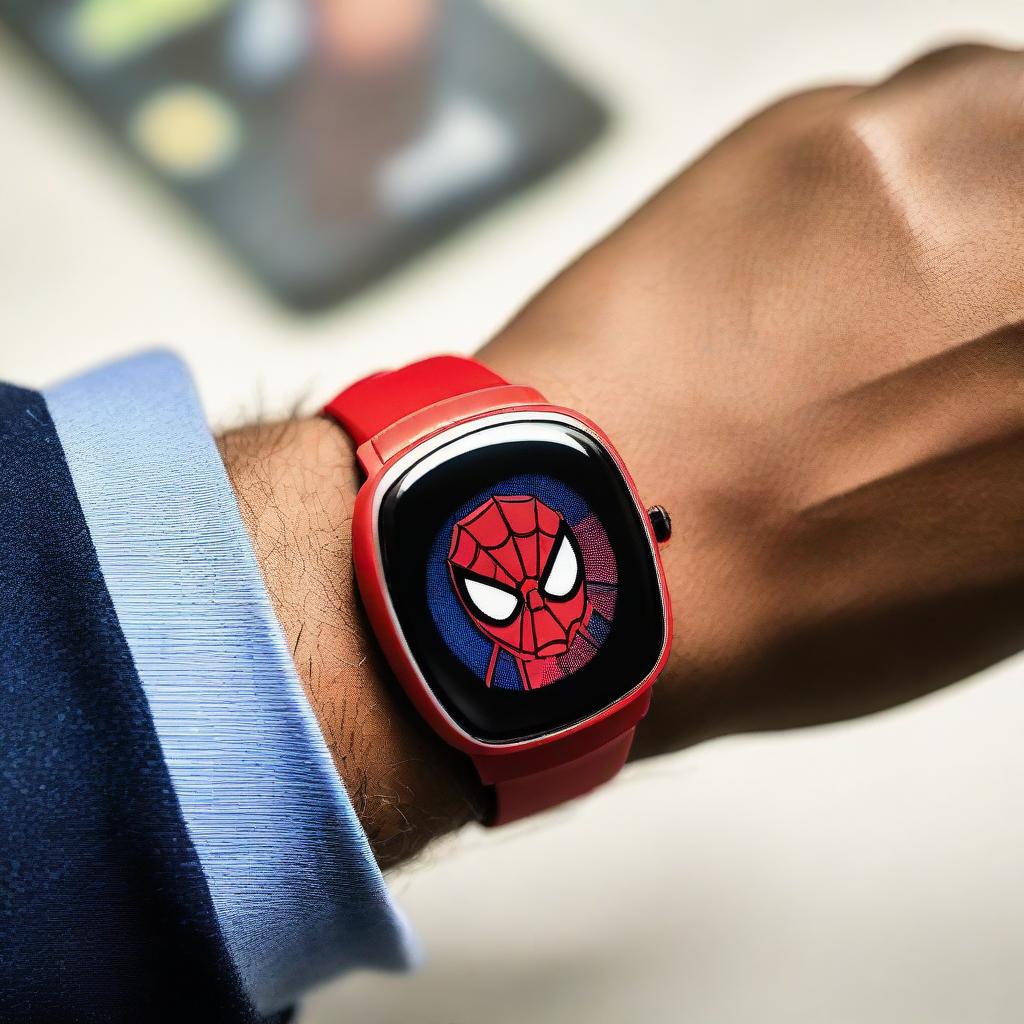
x=522, y=577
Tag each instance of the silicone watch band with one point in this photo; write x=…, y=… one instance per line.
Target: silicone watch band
x=527, y=794
x=379, y=401
x=531, y=781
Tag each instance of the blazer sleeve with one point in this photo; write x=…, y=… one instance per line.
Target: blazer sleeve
x=104, y=913
x=152, y=868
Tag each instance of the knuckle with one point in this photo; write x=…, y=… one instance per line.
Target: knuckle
x=966, y=76
x=798, y=109
x=811, y=135
x=827, y=148
x=954, y=55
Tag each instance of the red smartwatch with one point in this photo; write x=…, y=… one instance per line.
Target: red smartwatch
x=510, y=573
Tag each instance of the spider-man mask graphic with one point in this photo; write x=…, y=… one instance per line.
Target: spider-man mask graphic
x=518, y=570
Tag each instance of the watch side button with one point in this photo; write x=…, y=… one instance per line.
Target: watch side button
x=661, y=523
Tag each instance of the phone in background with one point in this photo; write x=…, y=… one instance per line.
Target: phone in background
x=323, y=141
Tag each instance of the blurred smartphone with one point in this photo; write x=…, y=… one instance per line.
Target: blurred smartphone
x=323, y=141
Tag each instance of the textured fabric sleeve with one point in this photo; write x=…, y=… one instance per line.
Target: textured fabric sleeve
x=105, y=915
x=296, y=890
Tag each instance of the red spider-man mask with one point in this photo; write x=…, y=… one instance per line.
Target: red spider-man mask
x=518, y=571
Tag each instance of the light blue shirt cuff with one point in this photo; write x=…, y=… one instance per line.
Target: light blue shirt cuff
x=296, y=889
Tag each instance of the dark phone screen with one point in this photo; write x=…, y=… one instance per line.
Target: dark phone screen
x=322, y=147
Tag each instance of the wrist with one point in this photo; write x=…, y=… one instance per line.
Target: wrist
x=296, y=484
x=717, y=631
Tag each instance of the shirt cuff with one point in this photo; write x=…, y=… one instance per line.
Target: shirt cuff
x=295, y=886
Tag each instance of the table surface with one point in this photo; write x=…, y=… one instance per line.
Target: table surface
x=863, y=872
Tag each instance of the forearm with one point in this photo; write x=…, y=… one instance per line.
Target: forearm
x=295, y=482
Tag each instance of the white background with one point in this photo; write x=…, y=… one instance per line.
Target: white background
x=866, y=872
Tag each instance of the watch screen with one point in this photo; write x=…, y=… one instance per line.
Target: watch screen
x=522, y=578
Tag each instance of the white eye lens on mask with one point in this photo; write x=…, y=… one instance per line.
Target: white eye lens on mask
x=562, y=572
x=494, y=602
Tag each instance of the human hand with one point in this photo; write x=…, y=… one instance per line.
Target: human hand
x=807, y=347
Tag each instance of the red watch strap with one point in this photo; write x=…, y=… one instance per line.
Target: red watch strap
x=533, y=780
x=526, y=782
x=520, y=797
x=376, y=402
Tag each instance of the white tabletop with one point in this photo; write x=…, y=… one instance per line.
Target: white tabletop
x=864, y=872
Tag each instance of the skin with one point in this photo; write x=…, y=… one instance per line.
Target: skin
x=809, y=348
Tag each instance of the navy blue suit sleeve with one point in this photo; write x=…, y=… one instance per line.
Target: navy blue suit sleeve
x=104, y=911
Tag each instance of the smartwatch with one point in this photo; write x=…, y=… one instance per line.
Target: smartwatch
x=510, y=573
